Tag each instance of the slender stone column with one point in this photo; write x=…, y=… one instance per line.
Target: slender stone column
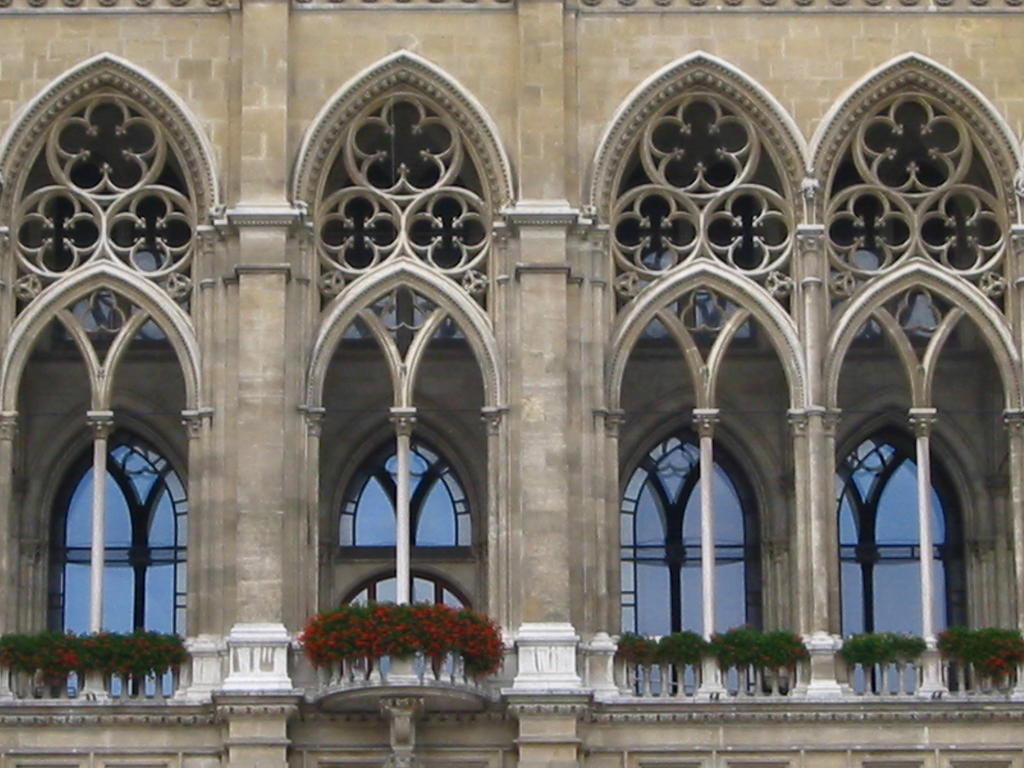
x=404, y=419
x=705, y=420
x=613, y=421
x=8, y=552
x=1014, y=421
x=922, y=420
x=101, y=423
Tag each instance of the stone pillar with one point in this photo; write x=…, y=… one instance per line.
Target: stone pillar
x=257, y=729
x=404, y=419
x=1014, y=421
x=8, y=528
x=548, y=730
x=101, y=423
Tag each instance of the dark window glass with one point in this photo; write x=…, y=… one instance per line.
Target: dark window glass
x=146, y=533
x=439, y=509
x=660, y=543
x=879, y=542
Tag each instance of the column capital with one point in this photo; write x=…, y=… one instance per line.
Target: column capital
x=193, y=421
x=314, y=418
x=8, y=425
x=922, y=420
x=492, y=416
x=100, y=422
x=705, y=419
x=613, y=419
x=1014, y=422
x=404, y=420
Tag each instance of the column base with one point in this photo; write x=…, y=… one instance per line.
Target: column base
x=258, y=655
x=823, y=655
x=206, y=671
x=600, y=666
x=932, y=685
x=547, y=657
x=711, y=687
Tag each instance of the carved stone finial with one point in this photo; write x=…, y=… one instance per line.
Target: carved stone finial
x=492, y=417
x=705, y=419
x=101, y=423
x=404, y=420
x=193, y=421
x=921, y=421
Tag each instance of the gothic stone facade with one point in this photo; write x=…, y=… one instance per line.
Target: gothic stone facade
x=545, y=238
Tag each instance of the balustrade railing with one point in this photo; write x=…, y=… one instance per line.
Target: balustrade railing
x=92, y=686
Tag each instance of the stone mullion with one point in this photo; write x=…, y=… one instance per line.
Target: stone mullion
x=8, y=533
x=1014, y=421
x=102, y=423
x=609, y=522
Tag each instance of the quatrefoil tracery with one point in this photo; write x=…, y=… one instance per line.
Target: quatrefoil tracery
x=402, y=182
x=913, y=182
x=106, y=185
x=699, y=185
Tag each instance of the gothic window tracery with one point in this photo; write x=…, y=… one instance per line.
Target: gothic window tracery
x=879, y=540
x=107, y=183
x=439, y=507
x=660, y=541
x=145, y=543
x=426, y=588
x=914, y=181
x=699, y=183
x=403, y=182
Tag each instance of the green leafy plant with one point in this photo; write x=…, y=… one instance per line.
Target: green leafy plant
x=637, y=649
x=744, y=646
x=993, y=652
x=682, y=648
x=54, y=655
x=872, y=648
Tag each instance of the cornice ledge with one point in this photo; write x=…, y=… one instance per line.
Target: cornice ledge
x=777, y=712
x=542, y=213
x=262, y=216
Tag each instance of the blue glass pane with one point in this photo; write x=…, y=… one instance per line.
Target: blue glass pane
x=650, y=526
x=847, y=522
x=897, y=508
x=76, y=598
x=118, y=598
x=693, y=603
x=730, y=596
x=78, y=530
x=691, y=518
x=422, y=590
x=118, y=519
x=853, y=598
x=898, y=597
x=162, y=528
x=436, y=524
x=159, y=596
x=375, y=518
x=728, y=512
x=652, y=604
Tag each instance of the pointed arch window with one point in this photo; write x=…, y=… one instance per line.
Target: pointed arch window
x=145, y=548
x=439, y=509
x=660, y=539
x=426, y=588
x=879, y=539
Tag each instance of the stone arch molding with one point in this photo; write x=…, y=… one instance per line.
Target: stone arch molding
x=908, y=72
x=171, y=318
x=402, y=69
x=700, y=70
x=753, y=301
x=405, y=272
x=107, y=71
x=967, y=301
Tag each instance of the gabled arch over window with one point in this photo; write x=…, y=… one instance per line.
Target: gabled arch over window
x=426, y=588
x=660, y=542
x=879, y=539
x=146, y=535
x=439, y=508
